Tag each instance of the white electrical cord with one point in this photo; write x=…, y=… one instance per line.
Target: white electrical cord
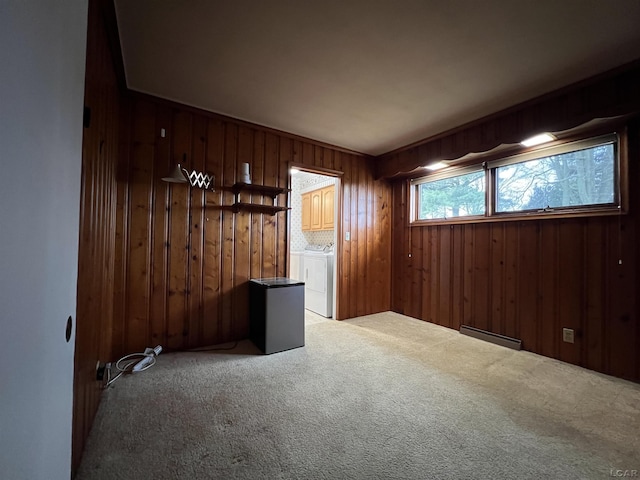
x=134, y=362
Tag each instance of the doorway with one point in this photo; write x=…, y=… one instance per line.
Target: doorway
x=313, y=224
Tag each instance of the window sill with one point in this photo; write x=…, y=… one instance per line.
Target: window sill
x=513, y=217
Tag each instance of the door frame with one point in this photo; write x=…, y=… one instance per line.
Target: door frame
x=337, y=232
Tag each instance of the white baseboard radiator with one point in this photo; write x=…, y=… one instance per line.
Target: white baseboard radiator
x=501, y=340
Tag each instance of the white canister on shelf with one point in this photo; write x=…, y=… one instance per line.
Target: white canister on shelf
x=244, y=176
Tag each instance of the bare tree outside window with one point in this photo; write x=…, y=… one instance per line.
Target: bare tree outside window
x=583, y=177
x=576, y=176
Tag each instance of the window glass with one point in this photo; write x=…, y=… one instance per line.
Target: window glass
x=579, y=178
x=457, y=196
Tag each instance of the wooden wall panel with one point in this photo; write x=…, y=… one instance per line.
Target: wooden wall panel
x=549, y=289
x=440, y=242
x=285, y=157
x=344, y=268
x=269, y=245
x=97, y=242
x=418, y=272
x=185, y=258
x=511, y=266
x=242, y=242
x=140, y=173
x=529, y=279
x=379, y=223
x=457, y=278
x=623, y=314
x=528, y=262
x=425, y=252
x=481, y=277
x=212, y=232
x=178, y=242
x=594, y=298
x=400, y=240
x=496, y=267
x=467, y=277
x=257, y=176
x=611, y=94
x=363, y=297
x=121, y=250
x=571, y=278
x=196, y=237
x=159, y=268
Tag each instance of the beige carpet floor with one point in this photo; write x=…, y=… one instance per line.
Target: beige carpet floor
x=382, y=396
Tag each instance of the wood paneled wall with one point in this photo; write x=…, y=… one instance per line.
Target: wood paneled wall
x=184, y=261
x=529, y=279
x=165, y=264
x=611, y=94
x=97, y=226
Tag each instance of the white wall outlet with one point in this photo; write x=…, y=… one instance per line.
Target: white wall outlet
x=347, y=236
x=567, y=335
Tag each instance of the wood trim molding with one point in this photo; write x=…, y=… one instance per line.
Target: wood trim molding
x=612, y=94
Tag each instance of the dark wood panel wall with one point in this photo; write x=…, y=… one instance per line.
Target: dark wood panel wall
x=529, y=279
x=184, y=258
x=611, y=94
x=165, y=264
x=97, y=221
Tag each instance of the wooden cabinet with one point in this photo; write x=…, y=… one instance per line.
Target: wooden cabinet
x=306, y=212
x=327, y=195
x=318, y=209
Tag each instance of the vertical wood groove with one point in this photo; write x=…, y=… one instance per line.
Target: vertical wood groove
x=209, y=253
x=543, y=275
x=98, y=239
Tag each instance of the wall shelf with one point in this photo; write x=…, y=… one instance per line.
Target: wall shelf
x=257, y=207
x=262, y=190
x=272, y=192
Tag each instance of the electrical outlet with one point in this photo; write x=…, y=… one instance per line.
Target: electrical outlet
x=567, y=335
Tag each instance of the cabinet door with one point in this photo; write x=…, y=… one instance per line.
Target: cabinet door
x=328, y=207
x=316, y=210
x=306, y=212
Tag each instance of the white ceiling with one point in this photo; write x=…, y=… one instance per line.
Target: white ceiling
x=369, y=75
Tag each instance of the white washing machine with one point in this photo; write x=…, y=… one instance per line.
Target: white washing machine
x=318, y=281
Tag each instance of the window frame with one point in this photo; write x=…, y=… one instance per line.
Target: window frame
x=619, y=206
x=442, y=175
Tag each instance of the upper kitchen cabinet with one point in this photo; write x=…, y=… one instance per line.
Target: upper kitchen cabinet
x=306, y=212
x=327, y=195
x=318, y=209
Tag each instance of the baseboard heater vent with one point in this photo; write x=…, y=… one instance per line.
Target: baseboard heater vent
x=491, y=337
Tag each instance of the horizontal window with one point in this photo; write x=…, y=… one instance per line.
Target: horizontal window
x=573, y=177
x=457, y=196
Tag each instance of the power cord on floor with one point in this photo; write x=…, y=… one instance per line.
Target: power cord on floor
x=139, y=362
x=133, y=363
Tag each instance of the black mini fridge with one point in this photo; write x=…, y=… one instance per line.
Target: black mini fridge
x=276, y=313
